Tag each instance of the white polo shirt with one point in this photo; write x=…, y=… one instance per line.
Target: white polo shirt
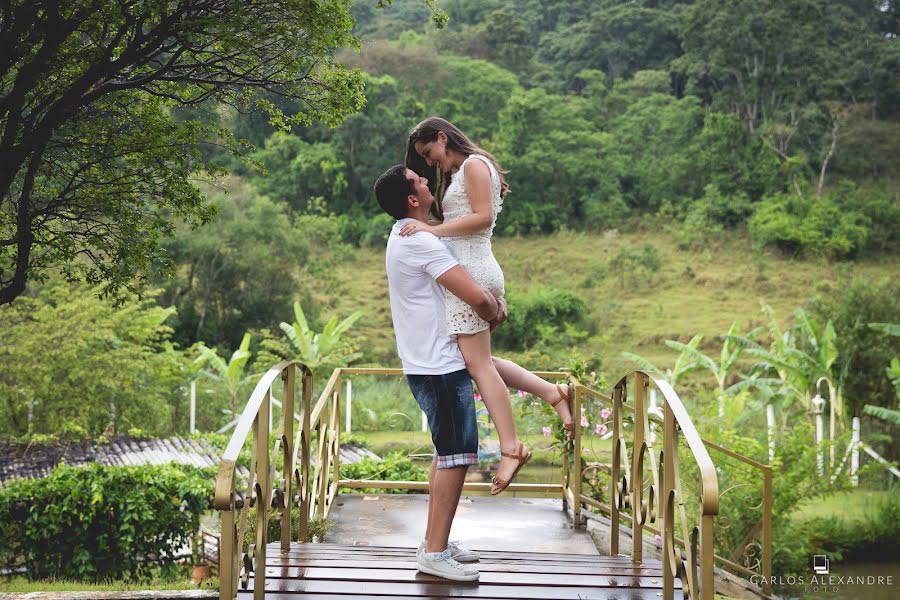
x=417, y=302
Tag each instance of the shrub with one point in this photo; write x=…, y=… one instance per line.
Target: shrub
x=395, y=466
x=96, y=522
x=811, y=226
x=365, y=230
x=541, y=316
x=633, y=264
x=882, y=208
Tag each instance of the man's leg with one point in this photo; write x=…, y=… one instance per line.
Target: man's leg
x=431, y=473
x=447, y=401
x=447, y=487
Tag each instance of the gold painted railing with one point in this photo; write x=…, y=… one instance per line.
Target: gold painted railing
x=651, y=487
x=237, y=559
x=644, y=487
x=639, y=478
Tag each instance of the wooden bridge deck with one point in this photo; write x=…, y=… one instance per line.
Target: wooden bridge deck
x=330, y=571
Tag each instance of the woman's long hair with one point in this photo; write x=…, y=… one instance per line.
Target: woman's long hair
x=427, y=131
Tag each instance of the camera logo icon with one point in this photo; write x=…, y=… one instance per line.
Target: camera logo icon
x=820, y=564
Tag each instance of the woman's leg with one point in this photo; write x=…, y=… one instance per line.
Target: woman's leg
x=517, y=377
x=476, y=349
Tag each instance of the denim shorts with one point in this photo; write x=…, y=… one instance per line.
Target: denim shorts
x=449, y=404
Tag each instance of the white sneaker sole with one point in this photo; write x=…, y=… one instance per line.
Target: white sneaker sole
x=425, y=569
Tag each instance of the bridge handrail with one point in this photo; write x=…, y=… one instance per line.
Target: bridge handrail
x=664, y=491
x=255, y=421
x=321, y=422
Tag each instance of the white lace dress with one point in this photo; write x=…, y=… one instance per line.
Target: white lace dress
x=472, y=251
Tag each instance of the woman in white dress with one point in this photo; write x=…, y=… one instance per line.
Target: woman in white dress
x=469, y=188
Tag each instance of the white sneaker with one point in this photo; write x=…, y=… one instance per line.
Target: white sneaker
x=458, y=552
x=441, y=564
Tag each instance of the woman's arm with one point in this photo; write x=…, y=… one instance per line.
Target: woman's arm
x=478, y=188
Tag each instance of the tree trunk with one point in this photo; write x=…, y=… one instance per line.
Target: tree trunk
x=834, y=137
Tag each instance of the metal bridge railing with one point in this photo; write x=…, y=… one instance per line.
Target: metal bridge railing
x=644, y=486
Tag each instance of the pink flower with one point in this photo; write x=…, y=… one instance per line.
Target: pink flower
x=600, y=429
x=477, y=397
x=520, y=392
x=657, y=537
x=584, y=421
x=546, y=432
x=604, y=414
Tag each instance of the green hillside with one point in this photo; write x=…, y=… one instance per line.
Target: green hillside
x=692, y=292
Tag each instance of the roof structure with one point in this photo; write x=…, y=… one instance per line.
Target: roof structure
x=33, y=461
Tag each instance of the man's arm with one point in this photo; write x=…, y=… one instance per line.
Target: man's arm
x=458, y=281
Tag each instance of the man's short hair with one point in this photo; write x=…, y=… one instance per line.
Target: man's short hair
x=392, y=189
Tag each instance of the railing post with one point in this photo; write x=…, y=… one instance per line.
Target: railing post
x=227, y=554
x=287, y=428
x=615, y=474
x=667, y=527
x=349, y=425
x=637, y=475
x=263, y=499
x=336, y=432
x=321, y=479
x=708, y=569
x=305, y=408
x=767, y=531
x=576, y=461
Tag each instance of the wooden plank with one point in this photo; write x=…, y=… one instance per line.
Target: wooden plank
x=410, y=552
x=482, y=566
x=410, y=575
x=320, y=549
x=331, y=571
x=433, y=588
x=526, y=564
x=368, y=547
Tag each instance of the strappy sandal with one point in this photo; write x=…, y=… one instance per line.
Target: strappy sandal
x=523, y=460
x=570, y=426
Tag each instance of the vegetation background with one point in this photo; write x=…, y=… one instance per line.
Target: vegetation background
x=675, y=167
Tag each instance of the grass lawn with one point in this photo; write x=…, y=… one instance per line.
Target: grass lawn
x=22, y=585
x=849, y=505
x=692, y=292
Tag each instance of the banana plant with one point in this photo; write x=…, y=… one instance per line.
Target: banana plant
x=800, y=356
x=685, y=363
x=887, y=415
x=318, y=349
x=728, y=358
x=229, y=375
x=893, y=373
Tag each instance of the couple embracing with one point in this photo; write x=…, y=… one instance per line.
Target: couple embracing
x=446, y=295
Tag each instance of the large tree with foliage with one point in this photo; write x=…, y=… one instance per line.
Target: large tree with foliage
x=71, y=363
x=793, y=70
x=94, y=166
x=242, y=270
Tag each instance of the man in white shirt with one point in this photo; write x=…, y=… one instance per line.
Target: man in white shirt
x=417, y=268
